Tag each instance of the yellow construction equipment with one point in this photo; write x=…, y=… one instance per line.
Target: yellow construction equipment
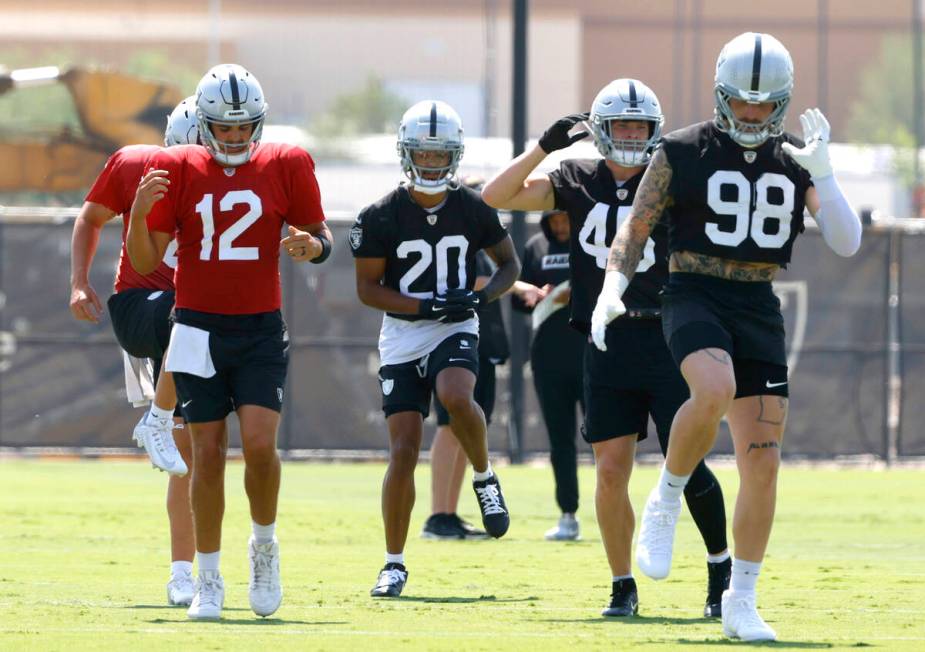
x=114, y=110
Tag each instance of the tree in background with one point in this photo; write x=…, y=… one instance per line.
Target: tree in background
x=882, y=113
x=372, y=109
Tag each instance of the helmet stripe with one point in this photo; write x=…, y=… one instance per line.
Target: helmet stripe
x=633, y=101
x=433, y=120
x=233, y=82
x=756, y=63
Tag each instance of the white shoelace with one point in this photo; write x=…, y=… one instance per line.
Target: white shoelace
x=489, y=496
x=663, y=534
x=263, y=569
x=162, y=437
x=390, y=577
x=209, y=590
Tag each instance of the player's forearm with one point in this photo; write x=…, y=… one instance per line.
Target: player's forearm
x=376, y=295
x=84, y=242
x=840, y=225
x=505, y=185
x=142, y=252
x=502, y=280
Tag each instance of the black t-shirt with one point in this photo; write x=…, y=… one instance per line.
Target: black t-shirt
x=733, y=202
x=426, y=253
x=596, y=206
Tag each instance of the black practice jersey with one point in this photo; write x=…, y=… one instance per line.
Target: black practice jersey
x=733, y=202
x=426, y=253
x=596, y=206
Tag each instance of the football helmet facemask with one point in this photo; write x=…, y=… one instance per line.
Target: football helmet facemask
x=625, y=99
x=753, y=68
x=182, y=124
x=229, y=95
x=431, y=126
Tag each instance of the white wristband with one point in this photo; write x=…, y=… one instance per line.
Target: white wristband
x=615, y=282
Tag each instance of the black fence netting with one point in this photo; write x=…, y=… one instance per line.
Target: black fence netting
x=61, y=381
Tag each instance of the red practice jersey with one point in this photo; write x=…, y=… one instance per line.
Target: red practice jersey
x=229, y=221
x=115, y=189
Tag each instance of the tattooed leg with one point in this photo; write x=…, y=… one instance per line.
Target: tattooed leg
x=757, y=424
x=710, y=377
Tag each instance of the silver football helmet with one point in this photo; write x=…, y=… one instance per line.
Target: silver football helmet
x=754, y=68
x=182, y=124
x=430, y=125
x=625, y=99
x=229, y=95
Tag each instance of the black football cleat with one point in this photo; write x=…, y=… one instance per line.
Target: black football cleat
x=391, y=581
x=718, y=581
x=495, y=517
x=624, y=600
x=468, y=531
x=440, y=527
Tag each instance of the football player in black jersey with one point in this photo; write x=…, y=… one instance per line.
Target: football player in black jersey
x=734, y=190
x=415, y=252
x=635, y=377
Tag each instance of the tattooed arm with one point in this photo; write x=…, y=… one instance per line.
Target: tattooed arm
x=651, y=199
x=505, y=258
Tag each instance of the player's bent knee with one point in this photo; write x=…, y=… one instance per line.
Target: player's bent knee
x=714, y=396
x=403, y=455
x=457, y=402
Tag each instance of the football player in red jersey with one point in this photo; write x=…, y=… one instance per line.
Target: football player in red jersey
x=139, y=310
x=228, y=202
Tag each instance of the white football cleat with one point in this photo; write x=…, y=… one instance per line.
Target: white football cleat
x=741, y=619
x=265, y=590
x=155, y=435
x=180, y=590
x=210, y=597
x=567, y=529
x=656, y=536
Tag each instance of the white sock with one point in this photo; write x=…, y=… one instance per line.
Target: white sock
x=395, y=559
x=208, y=561
x=671, y=486
x=478, y=476
x=744, y=575
x=263, y=533
x=178, y=568
x=160, y=413
x=718, y=559
x=617, y=578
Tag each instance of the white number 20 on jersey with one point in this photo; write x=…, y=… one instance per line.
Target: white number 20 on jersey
x=593, y=237
x=226, y=248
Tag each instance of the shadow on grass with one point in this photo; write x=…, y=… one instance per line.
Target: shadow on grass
x=635, y=620
x=178, y=608
x=255, y=621
x=778, y=644
x=459, y=600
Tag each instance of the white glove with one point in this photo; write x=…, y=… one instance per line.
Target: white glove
x=814, y=156
x=609, y=307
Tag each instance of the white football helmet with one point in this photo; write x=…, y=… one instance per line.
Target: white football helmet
x=182, y=124
x=755, y=68
x=229, y=95
x=625, y=99
x=430, y=125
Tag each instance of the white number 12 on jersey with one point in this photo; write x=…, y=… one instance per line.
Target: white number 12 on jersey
x=593, y=237
x=226, y=248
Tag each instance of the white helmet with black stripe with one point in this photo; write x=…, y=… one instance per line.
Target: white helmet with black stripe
x=625, y=99
x=229, y=95
x=182, y=124
x=431, y=126
x=754, y=68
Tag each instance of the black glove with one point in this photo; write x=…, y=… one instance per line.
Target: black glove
x=556, y=137
x=454, y=306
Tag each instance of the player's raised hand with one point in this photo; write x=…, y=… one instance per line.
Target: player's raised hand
x=814, y=155
x=557, y=136
x=301, y=245
x=153, y=187
x=85, y=304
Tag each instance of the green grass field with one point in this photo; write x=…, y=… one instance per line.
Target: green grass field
x=83, y=564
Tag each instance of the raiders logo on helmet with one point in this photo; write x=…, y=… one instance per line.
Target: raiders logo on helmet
x=356, y=237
